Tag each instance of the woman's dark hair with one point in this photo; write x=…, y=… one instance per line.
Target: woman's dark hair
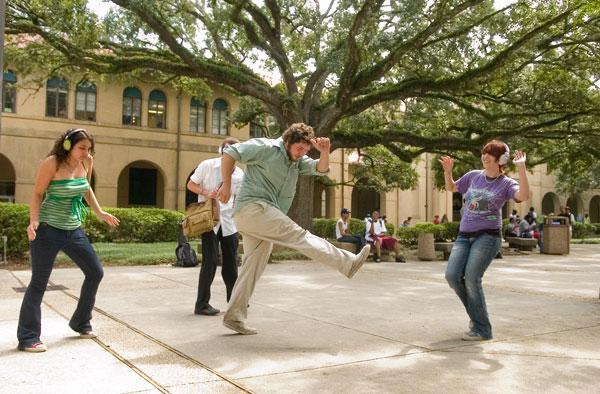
x=298, y=132
x=74, y=136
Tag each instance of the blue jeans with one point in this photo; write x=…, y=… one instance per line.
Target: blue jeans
x=469, y=259
x=355, y=239
x=43, y=250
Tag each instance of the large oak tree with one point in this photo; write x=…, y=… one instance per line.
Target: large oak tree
x=413, y=76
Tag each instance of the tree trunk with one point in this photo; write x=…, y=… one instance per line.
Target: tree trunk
x=301, y=210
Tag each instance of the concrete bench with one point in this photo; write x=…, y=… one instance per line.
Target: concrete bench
x=445, y=247
x=349, y=246
x=526, y=244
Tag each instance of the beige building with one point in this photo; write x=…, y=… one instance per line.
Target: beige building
x=149, y=139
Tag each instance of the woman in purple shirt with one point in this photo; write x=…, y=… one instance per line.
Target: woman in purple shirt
x=485, y=192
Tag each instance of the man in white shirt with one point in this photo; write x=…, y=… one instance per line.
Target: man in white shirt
x=205, y=182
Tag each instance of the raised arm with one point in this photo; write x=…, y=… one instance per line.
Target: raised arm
x=323, y=145
x=448, y=164
x=523, y=194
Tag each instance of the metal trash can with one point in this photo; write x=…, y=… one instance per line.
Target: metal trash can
x=426, y=247
x=555, y=235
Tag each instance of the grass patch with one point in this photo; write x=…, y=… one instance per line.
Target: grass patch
x=130, y=253
x=591, y=241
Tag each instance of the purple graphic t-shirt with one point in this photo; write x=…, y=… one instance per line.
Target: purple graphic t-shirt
x=483, y=200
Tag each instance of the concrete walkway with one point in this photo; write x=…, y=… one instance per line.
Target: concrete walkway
x=394, y=328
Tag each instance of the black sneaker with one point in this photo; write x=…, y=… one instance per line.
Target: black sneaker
x=207, y=311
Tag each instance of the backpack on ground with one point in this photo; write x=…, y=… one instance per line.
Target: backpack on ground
x=186, y=255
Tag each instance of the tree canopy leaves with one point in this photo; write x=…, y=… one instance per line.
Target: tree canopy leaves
x=412, y=75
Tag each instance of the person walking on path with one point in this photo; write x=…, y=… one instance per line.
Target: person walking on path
x=485, y=192
x=205, y=182
x=55, y=225
x=260, y=213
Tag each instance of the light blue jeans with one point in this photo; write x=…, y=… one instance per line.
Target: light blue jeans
x=470, y=257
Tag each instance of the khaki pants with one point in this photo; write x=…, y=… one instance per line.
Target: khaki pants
x=261, y=225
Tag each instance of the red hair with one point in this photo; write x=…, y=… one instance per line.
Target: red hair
x=495, y=148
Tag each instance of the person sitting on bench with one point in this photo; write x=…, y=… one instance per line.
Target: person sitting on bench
x=375, y=234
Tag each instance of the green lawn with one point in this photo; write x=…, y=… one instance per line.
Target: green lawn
x=132, y=253
x=150, y=254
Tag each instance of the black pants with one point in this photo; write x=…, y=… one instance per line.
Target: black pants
x=210, y=243
x=43, y=250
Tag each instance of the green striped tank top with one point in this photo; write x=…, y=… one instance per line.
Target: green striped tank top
x=63, y=207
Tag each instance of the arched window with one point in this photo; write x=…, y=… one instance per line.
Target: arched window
x=256, y=130
x=157, y=110
x=56, y=97
x=132, y=106
x=9, y=89
x=219, y=117
x=197, y=116
x=85, y=101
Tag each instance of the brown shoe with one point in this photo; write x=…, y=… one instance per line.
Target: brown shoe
x=360, y=260
x=239, y=327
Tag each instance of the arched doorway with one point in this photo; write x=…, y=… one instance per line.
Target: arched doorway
x=7, y=180
x=550, y=204
x=576, y=205
x=141, y=184
x=457, y=203
x=595, y=209
x=364, y=200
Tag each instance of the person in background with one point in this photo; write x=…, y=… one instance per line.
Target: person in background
x=56, y=214
x=205, y=182
x=533, y=213
x=376, y=234
x=436, y=219
x=342, y=233
x=406, y=223
x=444, y=219
x=479, y=239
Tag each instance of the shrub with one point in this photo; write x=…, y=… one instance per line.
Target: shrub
x=14, y=219
x=137, y=225
x=441, y=232
x=325, y=227
x=582, y=230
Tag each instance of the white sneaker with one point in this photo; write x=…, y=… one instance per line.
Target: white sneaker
x=360, y=260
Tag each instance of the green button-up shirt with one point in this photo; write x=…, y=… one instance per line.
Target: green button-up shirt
x=270, y=175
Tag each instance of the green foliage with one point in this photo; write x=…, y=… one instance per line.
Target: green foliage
x=325, y=227
x=137, y=225
x=411, y=76
x=382, y=171
x=441, y=232
x=585, y=230
x=14, y=219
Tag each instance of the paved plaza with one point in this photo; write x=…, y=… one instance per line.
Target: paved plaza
x=394, y=328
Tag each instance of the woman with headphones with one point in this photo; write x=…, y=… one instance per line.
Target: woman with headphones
x=56, y=213
x=480, y=234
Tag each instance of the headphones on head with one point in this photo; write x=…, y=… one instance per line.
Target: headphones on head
x=67, y=144
x=503, y=159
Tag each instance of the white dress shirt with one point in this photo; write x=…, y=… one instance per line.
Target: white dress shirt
x=208, y=177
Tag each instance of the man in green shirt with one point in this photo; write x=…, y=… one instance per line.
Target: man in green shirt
x=260, y=213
